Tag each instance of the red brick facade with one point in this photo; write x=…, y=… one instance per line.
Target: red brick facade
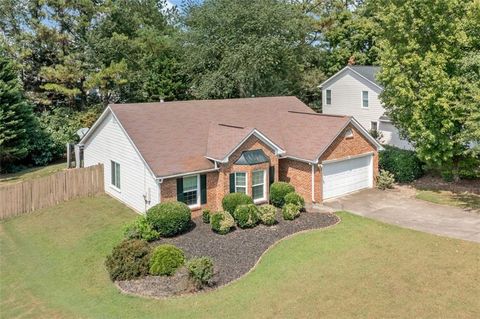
x=297, y=173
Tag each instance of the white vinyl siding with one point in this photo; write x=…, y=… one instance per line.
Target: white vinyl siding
x=109, y=143
x=348, y=87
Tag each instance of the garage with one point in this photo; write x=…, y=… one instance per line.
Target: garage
x=341, y=177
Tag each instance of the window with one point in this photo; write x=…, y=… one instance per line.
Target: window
x=374, y=126
x=349, y=133
x=328, y=98
x=190, y=190
x=364, y=98
x=258, y=185
x=115, y=178
x=241, y=183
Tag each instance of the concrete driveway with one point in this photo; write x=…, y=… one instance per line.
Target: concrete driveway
x=400, y=207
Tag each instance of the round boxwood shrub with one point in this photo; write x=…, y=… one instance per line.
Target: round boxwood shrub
x=200, y=271
x=232, y=200
x=295, y=198
x=278, y=191
x=141, y=229
x=166, y=259
x=170, y=218
x=290, y=211
x=403, y=164
x=128, y=260
x=221, y=222
x=206, y=216
x=266, y=214
x=246, y=216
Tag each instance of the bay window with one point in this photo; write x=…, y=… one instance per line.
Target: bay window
x=258, y=185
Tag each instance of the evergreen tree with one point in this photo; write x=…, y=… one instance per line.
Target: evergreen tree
x=16, y=116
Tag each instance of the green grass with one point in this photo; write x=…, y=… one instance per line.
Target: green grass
x=31, y=173
x=464, y=200
x=52, y=267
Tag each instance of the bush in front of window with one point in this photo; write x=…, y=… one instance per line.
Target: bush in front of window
x=295, y=198
x=266, y=214
x=278, y=191
x=206, y=216
x=290, y=211
x=200, y=271
x=403, y=164
x=246, y=216
x=222, y=222
x=128, y=260
x=140, y=228
x=170, y=218
x=166, y=259
x=232, y=200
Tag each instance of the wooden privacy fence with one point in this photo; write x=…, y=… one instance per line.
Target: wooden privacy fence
x=30, y=195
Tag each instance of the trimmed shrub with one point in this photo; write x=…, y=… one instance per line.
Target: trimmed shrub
x=200, y=271
x=232, y=200
x=403, y=164
x=128, y=260
x=278, y=191
x=295, y=198
x=385, y=180
x=266, y=214
x=170, y=218
x=290, y=211
x=166, y=259
x=141, y=229
x=222, y=222
x=246, y=216
x=206, y=216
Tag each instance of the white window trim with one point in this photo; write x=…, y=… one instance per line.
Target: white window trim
x=371, y=126
x=246, y=181
x=368, y=100
x=199, y=193
x=264, y=198
x=113, y=186
x=326, y=95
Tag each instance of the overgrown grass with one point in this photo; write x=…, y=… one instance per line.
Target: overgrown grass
x=31, y=173
x=52, y=267
x=464, y=200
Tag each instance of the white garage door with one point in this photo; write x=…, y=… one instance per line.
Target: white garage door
x=343, y=177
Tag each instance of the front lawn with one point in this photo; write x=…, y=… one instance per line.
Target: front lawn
x=52, y=267
x=468, y=201
x=31, y=173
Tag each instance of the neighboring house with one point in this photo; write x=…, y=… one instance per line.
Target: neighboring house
x=354, y=91
x=199, y=151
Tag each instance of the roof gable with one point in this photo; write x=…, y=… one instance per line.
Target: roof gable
x=366, y=72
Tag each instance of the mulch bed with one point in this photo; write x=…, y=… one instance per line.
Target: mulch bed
x=431, y=182
x=233, y=254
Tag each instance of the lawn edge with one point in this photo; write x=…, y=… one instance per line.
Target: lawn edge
x=127, y=293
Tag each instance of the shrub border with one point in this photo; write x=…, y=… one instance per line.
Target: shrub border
x=183, y=295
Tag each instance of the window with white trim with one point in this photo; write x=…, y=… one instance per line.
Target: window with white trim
x=115, y=174
x=241, y=182
x=190, y=190
x=364, y=98
x=328, y=97
x=374, y=126
x=258, y=185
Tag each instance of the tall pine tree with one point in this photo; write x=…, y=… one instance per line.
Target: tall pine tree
x=16, y=115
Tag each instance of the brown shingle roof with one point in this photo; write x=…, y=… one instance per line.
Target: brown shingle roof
x=175, y=137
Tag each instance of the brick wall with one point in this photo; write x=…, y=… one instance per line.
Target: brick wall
x=218, y=183
x=299, y=174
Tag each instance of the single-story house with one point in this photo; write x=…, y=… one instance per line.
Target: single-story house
x=199, y=151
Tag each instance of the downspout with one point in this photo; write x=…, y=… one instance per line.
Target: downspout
x=159, y=183
x=313, y=183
